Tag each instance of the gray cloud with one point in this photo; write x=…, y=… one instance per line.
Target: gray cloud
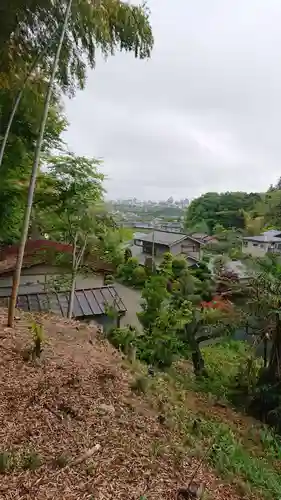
x=203, y=114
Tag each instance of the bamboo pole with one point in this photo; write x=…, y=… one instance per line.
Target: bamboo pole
x=18, y=99
x=31, y=189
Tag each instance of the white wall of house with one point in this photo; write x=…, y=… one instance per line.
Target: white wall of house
x=254, y=248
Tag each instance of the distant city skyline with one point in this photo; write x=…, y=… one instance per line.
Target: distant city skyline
x=169, y=200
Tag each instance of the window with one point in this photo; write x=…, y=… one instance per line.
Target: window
x=245, y=243
x=255, y=244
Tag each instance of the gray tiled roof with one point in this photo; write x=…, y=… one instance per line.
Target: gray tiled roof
x=272, y=232
x=166, y=238
x=263, y=239
x=87, y=302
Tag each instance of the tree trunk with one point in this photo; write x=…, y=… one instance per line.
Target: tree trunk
x=16, y=278
x=272, y=373
x=197, y=358
x=71, y=296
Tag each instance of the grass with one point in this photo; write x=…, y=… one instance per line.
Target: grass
x=31, y=461
x=223, y=363
x=6, y=461
x=240, y=450
x=139, y=385
x=9, y=461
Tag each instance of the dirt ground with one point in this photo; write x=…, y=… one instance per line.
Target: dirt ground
x=71, y=427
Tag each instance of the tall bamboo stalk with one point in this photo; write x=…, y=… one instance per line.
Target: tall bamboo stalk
x=16, y=278
x=18, y=99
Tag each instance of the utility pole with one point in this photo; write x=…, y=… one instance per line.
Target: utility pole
x=153, y=251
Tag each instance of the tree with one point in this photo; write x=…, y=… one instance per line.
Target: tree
x=262, y=308
x=16, y=166
x=226, y=209
x=28, y=29
x=160, y=343
x=258, y=304
x=204, y=323
x=125, y=271
x=75, y=213
x=108, y=25
x=16, y=278
x=154, y=295
x=30, y=33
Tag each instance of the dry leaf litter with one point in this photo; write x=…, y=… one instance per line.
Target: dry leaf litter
x=75, y=412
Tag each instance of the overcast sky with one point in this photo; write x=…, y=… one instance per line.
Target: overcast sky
x=204, y=114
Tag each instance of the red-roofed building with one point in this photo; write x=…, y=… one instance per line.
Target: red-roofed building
x=39, y=267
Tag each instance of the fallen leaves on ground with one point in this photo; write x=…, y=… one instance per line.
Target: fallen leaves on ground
x=77, y=403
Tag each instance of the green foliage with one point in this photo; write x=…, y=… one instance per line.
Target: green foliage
x=31, y=461
x=229, y=242
x=61, y=461
x=159, y=343
x=30, y=28
x=139, y=276
x=223, y=362
x=17, y=161
x=229, y=457
x=38, y=337
x=7, y=462
x=127, y=254
x=74, y=197
x=131, y=273
x=225, y=209
x=178, y=265
x=240, y=454
x=123, y=338
x=139, y=385
x=29, y=33
x=153, y=295
x=165, y=268
x=109, y=279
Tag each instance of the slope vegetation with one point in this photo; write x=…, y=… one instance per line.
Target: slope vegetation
x=82, y=423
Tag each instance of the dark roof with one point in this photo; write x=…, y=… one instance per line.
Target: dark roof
x=166, y=238
x=87, y=302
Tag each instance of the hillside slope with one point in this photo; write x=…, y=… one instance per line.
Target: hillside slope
x=78, y=397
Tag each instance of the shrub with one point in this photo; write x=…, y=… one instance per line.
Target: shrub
x=109, y=279
x=6, y=462
x=139, y=276
x=122, y=338
x=159, y=348
x=31, y=461
x=131, y=273
x=38, y=337
x=178, y=265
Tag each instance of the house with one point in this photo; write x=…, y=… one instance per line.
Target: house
x=40, y=268
x=258, y=246
x=205, y=238
x=40, y=274
x=232, y=267
x=157, y=243
x=90, y=305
